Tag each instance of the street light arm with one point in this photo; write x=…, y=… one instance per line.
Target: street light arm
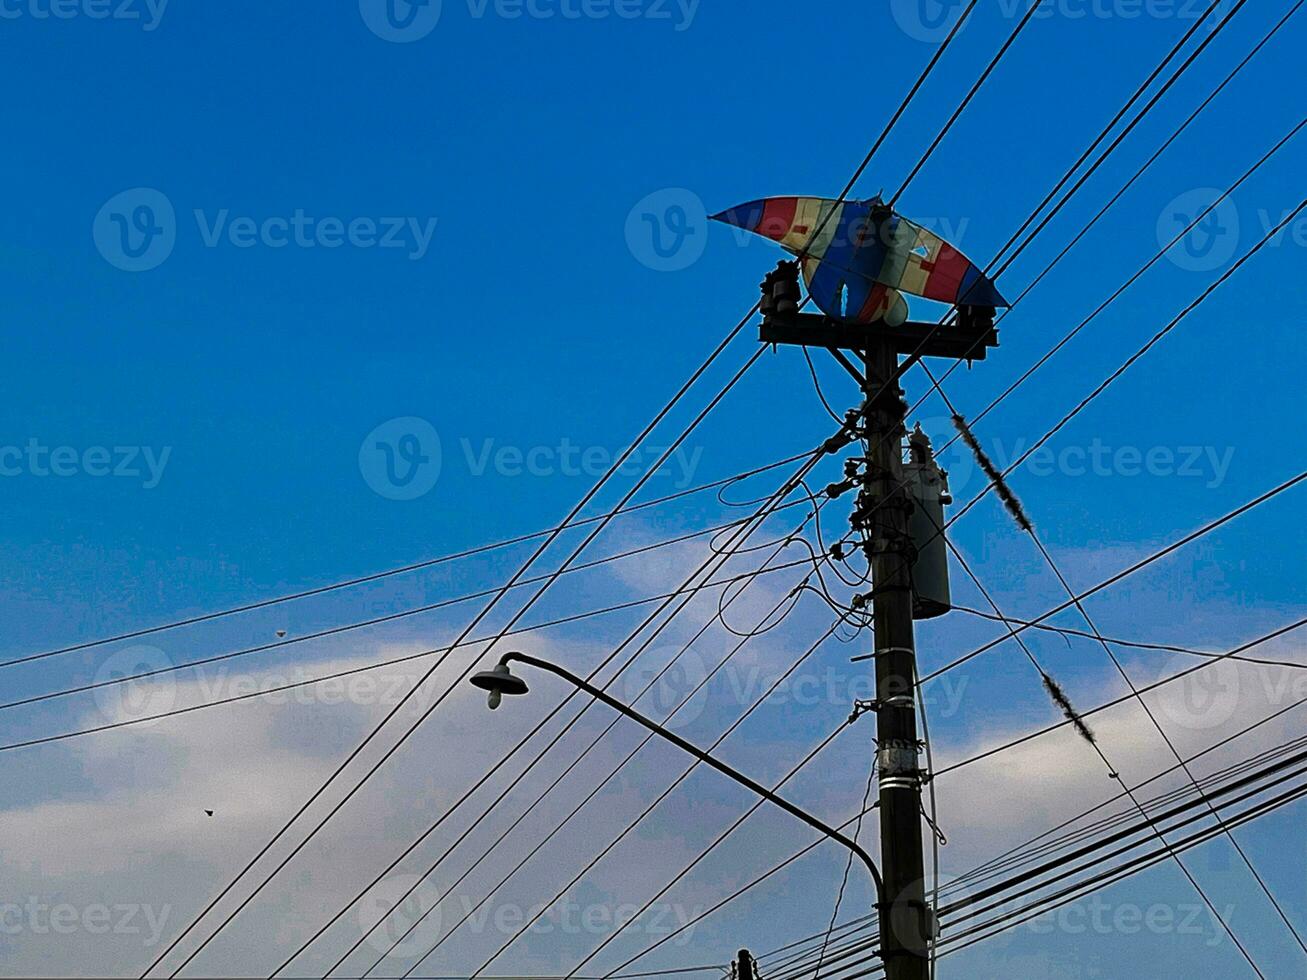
x=703, y=756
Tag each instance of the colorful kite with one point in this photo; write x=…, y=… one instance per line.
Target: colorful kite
x=858, y=256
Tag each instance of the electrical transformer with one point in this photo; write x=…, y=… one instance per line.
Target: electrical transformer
x=928, y=485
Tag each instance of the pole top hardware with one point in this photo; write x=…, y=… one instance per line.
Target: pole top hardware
x=969, y=336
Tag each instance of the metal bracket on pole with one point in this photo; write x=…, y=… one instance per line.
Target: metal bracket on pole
x=899, y=765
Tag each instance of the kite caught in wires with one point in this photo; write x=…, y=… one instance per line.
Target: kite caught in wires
x=859, y=257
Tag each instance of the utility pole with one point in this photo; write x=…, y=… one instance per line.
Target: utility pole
x=884, y=508
x=744, y=966
x=882, y=514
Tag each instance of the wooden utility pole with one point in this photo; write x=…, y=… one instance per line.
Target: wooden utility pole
x=744, y=966
x=884, y=507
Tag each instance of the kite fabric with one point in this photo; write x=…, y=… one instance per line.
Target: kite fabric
x=858, y=256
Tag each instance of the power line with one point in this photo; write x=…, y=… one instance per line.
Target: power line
x=416, y=566
x=1157, y=257
x=1008, y=857
x=853, y=180
x=717, y=558
x=1184, y=67
x=1075, y=892
x=1049, y=354
x=590, y=796
x=1131, y=569
x=1134, y=97
x=662, y=796
x=1121, y=575
x=966, y=101
x=698, y=373
x=1031, y=736
x=1152, y=717
x=1137, y=355
x=1050, y=614
x=955, y=116
x=487, y=810
x=848, y=865
x=1158, y=152
x=866, y=161
x=265, y=692
x=1132, y=644
x=776, y=869
x=389, y=618
x=1237, y=776
x=1077, y=720
x=1078, y=890
x=692, y=591
x=1203, y=799
x=1029, y=528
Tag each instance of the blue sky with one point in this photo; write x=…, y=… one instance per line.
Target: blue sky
x=475, y=255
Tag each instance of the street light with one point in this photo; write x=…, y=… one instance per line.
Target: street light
x=501, y=680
